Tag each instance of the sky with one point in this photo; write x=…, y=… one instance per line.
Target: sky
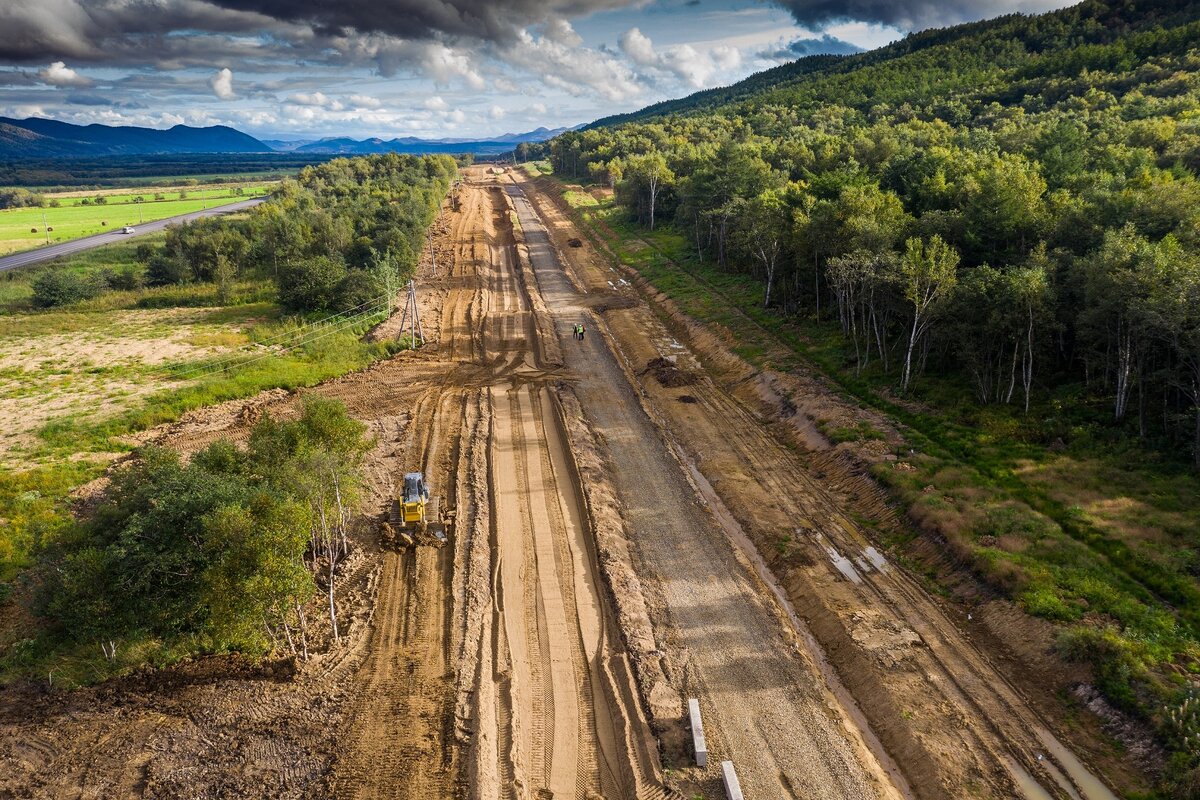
x=305, y=69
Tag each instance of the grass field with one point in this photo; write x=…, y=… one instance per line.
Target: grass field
x=75, y=381
x=26, y=228
x=1094, y=533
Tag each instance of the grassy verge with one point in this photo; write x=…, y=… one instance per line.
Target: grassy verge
x=1074, y=523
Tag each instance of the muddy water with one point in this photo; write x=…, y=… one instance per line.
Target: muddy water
x=1087, y=783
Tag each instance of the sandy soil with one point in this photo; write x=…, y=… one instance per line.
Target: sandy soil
x=615, y=551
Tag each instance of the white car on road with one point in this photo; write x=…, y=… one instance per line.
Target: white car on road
x=127, y=229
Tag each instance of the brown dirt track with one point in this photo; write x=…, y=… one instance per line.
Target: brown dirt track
x=602, y=568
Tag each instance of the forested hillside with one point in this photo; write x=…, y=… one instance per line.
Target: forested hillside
x=999, y=221
x=1013, y=201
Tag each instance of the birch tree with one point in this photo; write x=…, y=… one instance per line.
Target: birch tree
x=927, y=276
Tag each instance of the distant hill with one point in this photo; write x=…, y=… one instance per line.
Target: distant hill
x=413, y=145
x=47, y=138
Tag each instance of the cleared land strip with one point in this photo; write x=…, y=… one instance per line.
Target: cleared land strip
x=771, y=710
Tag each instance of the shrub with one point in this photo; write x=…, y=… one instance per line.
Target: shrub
x=164, y=269
x=311, y=284
x=126, y=279
x=357, y=289
x=58, y=287
x=203, y=554
x=20, y=198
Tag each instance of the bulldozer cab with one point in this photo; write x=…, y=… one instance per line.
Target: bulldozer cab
x=416, y=518
x=414, y=499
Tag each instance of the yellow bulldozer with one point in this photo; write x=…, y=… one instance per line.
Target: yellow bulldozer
x=416, y=517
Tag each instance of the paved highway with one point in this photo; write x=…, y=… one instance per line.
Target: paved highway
x=28, y=257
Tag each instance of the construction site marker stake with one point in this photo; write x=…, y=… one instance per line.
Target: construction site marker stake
x=697, y=733
x=733, y=789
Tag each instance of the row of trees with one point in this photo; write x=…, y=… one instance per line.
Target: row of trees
x=222, y=553
x=1023, y=251
x=331, y=239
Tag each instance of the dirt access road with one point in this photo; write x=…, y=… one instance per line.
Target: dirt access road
x=601, y=570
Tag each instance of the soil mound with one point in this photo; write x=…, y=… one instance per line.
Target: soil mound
x=668, y=373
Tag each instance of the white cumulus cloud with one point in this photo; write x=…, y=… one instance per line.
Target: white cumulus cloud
x=577, y=70
x=222, y=84
x=693, y=67
x=317, y=99
x=59, y=74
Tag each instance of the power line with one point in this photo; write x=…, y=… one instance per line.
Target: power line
x=303, y=338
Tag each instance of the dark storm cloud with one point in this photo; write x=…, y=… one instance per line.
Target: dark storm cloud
x=110, y=30
x=493, y=20
x=823, y=45
x=906, y=15
x=176, y=33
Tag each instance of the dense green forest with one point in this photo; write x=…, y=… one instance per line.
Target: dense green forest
x=333, y=238
x=1004, y=215
x=1015, y=201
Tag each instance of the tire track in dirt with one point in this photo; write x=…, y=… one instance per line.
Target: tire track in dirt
x=493, y=667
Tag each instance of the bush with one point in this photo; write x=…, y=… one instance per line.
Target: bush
x=357, y=289
x=203, y=554
x=20, y=198
x=58, y=287
x=1118, y=663
x=311, y=284
x=166, y=270
x=126, y=279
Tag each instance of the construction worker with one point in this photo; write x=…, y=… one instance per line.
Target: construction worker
x=581, y=331
x=575, y=331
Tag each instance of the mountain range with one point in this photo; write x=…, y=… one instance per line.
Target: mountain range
x=410, y=144
x=46, y=138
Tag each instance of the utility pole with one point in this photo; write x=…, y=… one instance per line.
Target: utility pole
x=412, y=318
x=45, y=227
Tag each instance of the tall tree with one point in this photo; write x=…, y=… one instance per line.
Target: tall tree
x=927, y=276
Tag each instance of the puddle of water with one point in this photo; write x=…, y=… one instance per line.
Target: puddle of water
x=876, y=558
x=1060, y=779
x=1029, y=788
x=843, y=564
x=1091, y=786
x=862, y=565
